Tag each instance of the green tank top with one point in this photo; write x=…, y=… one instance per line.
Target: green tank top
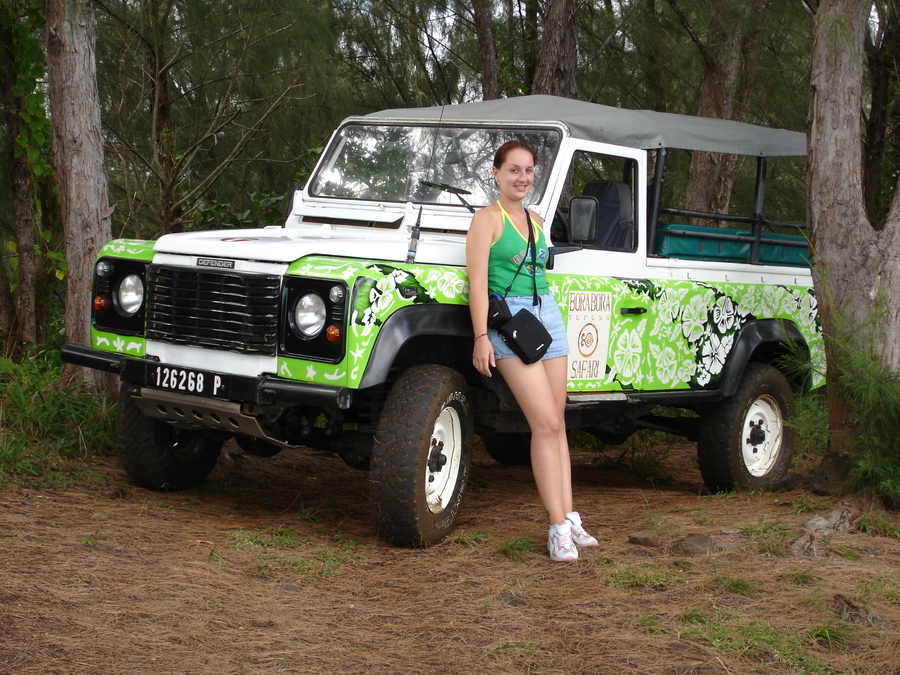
x=506, y=254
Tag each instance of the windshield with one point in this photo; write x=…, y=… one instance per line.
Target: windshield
x=387, y=163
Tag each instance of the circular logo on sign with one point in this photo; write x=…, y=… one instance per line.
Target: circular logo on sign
x=588, y=339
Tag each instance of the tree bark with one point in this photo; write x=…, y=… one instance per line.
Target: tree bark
x=855, y=267
x=78, y=157
x=557, y=59
x=490, y=85
x=729, y=59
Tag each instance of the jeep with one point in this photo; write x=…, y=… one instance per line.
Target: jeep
x=347, y=328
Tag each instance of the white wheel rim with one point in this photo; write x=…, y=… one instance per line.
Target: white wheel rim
x=446, y=439
x=762, y=436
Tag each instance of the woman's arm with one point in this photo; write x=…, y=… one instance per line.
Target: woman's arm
x=478, y=248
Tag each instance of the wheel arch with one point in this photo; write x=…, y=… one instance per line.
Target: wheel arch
x=777, y=342
x=417, y=334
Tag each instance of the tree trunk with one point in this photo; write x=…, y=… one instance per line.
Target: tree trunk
x=490, y=87
x=729, y=52
x=855, y=267
x=557, y=59
x=78, y=157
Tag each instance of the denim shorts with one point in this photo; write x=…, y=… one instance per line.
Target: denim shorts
x=550, y=316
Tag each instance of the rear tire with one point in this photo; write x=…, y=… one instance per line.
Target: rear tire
x=508, y=448
x=159, y=456
x=420, y=457
x=745, y=440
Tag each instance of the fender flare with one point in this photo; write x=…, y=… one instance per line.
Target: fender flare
x=407, y=323
x=749, y=339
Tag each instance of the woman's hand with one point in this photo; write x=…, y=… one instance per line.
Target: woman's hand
x=483, y=356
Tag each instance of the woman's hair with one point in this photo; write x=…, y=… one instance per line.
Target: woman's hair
x=508, y=147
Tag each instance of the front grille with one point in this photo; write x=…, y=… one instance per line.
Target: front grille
x=213, y=309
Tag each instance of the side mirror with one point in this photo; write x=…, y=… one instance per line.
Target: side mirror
x=583, y=215
x=289, y=198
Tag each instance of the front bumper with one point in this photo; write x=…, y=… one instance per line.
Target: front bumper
x=261, y=390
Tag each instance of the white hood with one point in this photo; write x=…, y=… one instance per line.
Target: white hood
x=285, y=245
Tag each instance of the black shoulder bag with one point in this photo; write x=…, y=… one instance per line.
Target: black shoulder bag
x=523, y=333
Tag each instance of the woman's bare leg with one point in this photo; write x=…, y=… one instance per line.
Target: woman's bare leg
x=536, y=387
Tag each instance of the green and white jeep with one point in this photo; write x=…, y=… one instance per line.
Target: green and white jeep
x=348, y=328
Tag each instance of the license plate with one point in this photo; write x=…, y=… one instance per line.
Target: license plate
x=188, y=381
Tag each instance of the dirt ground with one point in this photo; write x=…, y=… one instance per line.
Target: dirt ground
x=273, y=567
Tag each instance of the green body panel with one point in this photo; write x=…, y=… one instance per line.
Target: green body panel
x=673, y=334
x=118, y=344
x=133, y=249
x=377, y=291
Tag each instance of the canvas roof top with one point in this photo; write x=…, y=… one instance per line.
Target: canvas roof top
x=642, y=129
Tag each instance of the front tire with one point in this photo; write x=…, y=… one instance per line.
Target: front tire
x=159, y=456
x=420, y=457
x=745, y=441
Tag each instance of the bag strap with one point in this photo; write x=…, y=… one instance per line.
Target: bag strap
x=536, y=300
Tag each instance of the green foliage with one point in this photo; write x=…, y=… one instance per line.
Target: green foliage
x=25, y=21
x=48, y=427
x=266, y=209
x=517, y=548
x=735, y=586
x=800, y=577
x=464, y=538
x=872, y=393
x=771, y=539
x=834, y=635
x=283, y=549
x=806, y=503
x=634, y=576
x=877, y=522
x=755, y=641
x=810, y=425
x=884, y=588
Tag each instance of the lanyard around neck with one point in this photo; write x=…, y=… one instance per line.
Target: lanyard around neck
x=531, y=245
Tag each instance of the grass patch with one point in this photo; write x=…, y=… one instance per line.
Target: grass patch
x=464, y=538
x=735, y=586
x=47, y=427
x=771, y=539
x=647, y=623
x=800, y=577
x=806, y=503
x=517, y=548
x=755, y=641
x=702, y=517
x=283, y=549
x=633, y=576
x=884, y=588
x=834, y=635
x=662, y=527
x=878, y=523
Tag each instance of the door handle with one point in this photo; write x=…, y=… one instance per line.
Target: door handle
x=633, y=310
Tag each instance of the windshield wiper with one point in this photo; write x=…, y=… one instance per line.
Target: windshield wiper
x=459, y=192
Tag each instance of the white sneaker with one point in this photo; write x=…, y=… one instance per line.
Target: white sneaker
x=560, y=544
x=579, y=535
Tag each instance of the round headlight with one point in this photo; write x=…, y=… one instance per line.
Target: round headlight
x=309, y=315
x=130, y=294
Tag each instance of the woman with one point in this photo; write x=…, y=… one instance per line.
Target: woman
x=498, y=237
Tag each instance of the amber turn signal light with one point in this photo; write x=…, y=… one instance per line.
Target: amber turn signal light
x=333, y=333
x=101, y=303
